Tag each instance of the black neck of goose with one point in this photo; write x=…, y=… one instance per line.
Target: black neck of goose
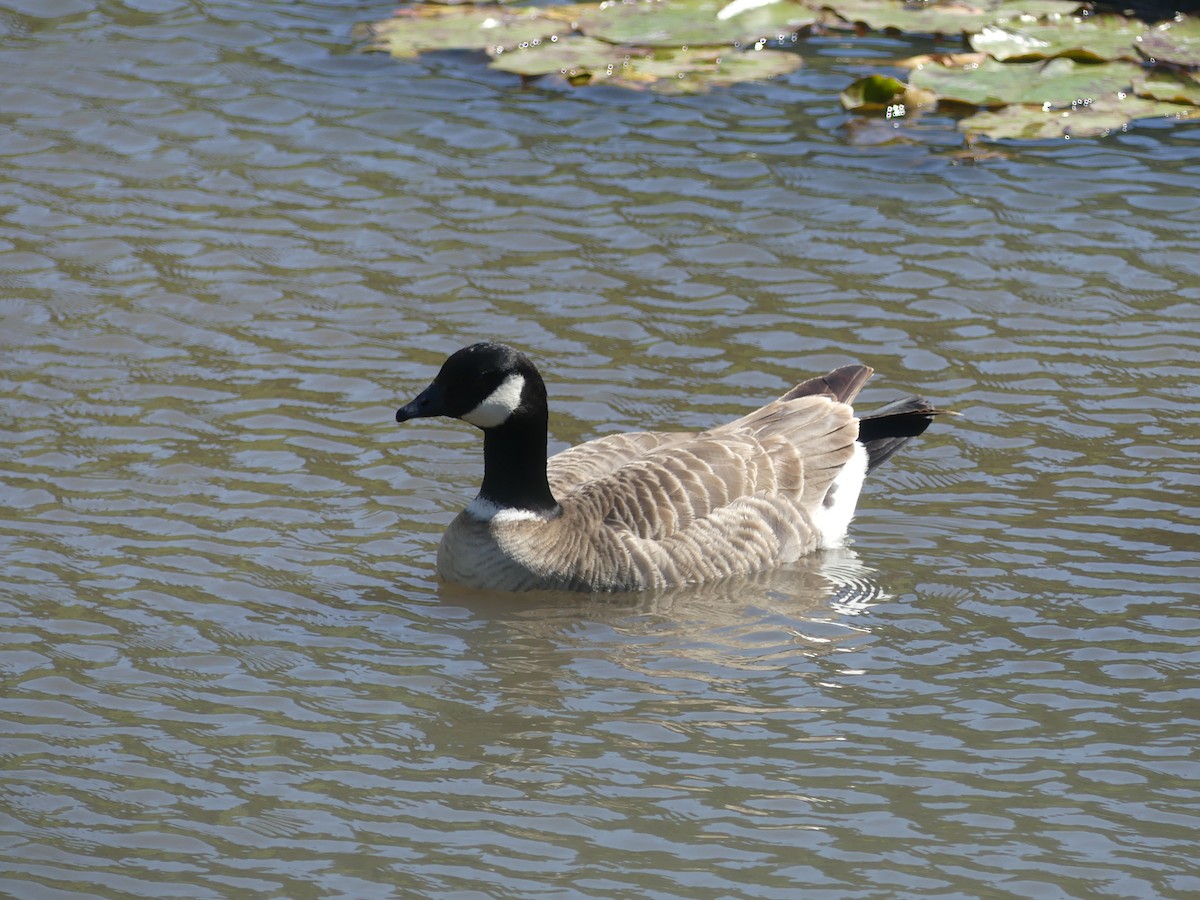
x=514, y=465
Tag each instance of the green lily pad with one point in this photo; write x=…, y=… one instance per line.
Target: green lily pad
x=661, y=67
x=1173, y=42
x=1101, y=117
x=1095, y=39
x=877, y=93
x=568, y=12
x=1173, y=87
x=730, y=67
x=953, y=60
x=1031, y=9
x=873, y=92
x=1057, y=83
x=692, y=23
x=583, y=59
x=943, y=16
x=423, y=28
x=574, y=57
x=468, y=2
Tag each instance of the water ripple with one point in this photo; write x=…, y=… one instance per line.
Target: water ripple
x=231, y=246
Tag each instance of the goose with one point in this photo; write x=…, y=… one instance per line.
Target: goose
x=651, y=509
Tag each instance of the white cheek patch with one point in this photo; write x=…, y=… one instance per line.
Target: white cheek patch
x=499, y=404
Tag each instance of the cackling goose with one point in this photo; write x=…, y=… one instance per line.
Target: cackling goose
x=653, y=509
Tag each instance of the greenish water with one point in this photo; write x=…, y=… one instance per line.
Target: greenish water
x=230, y=246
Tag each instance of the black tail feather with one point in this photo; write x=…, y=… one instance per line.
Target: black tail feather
x=889, y=428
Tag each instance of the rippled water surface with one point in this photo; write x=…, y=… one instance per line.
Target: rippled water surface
x=231, y=245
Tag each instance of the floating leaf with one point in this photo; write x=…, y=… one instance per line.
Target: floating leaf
x=1175, y=42
x=1032, y=9
x=939, y=18
x=1174, y=87
x=873, y=92
x=1095, y=39
x=942, y=59
x=691, y=23
x=462, y=27
x=571, y=56
x=733, y=67
x=1057, y=83
x=567, y=12
x=1104, y=116
x=468, y=2
x=665, y=65
x=877, y=93
x=943, y=16
x=582, y=59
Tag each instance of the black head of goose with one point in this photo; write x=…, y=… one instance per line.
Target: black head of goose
x=653, y=509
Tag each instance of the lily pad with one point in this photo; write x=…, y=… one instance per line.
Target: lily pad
x=1057, y=83
x=665, y=65
x=1095, y=39
x=873, y=92
x=1173, y=87
x=468, y=2
x=568, y=12
x=943, y=16
x=583, y=59
x=879, y=93
x=959, y=60
x=732, y=67
x=574, y=57
x=1101, y=117
x=1175, y=42
x=423, y=28
x=692, y=23
x=1031, y=9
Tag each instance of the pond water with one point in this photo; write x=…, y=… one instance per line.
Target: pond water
x=231, y=245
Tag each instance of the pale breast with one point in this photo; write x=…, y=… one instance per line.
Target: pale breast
x=469, y=554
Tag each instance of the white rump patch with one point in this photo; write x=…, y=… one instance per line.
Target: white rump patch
x=499, y=404
x=484, y=510
x=832, y=517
